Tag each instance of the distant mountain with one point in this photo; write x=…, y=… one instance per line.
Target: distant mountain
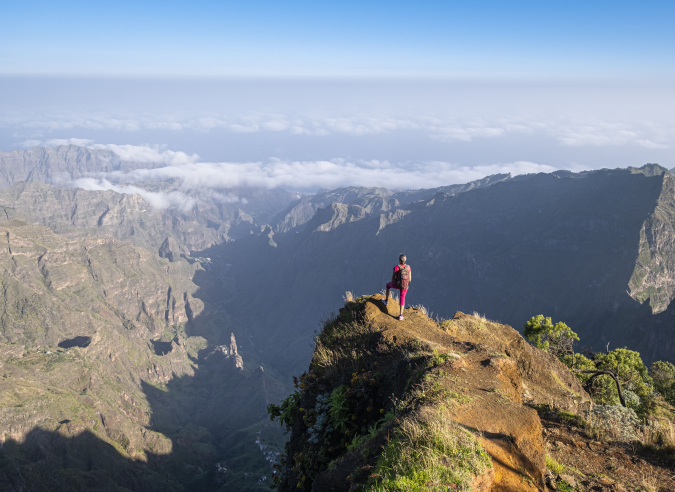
x=371, y=200
x=116, y=356
x=126, y=217
x=593, y=249
x=80, y=213
x=57, y=165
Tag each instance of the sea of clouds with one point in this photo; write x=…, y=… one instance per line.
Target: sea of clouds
x=208, y=179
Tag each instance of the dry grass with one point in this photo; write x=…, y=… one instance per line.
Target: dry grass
x=430, y=452
x=463, y=325
x=342, y=347
x=659, y=437
x=649, y=481
x=348, y=297
x=422, y=309
x=393, y=294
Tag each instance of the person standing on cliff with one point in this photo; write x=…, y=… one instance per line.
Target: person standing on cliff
x=400, y=280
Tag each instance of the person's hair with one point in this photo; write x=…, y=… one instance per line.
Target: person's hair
x=401, y=258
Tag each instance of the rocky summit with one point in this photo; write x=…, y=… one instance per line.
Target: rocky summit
x=464, y=404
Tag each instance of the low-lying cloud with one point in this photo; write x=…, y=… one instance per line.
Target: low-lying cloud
x=158, y=200
x=154, y=154
x=311, y=175
x=566, y=131
x=200, y=180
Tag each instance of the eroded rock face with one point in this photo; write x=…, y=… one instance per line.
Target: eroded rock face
x=234, y=355
x=653, y=279
x=57, y=165
x=101, y=371
x=74, y=288
x=171, y=250
x=543, y=378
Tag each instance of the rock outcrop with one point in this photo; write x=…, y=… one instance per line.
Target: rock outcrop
x=171, y=250
x=234, y=354
x=468, y=381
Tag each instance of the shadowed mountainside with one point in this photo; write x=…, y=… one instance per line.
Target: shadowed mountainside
x=371, y=200
x=569, y=245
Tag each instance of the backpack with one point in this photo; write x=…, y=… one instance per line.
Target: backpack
x=403, y=277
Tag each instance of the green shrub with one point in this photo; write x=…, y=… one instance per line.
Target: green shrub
x=557, y=339
x=287, y=411
x=663, y=375
x=553, y=465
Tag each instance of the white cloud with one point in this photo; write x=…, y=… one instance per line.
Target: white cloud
x=155, y=154
x=600, y=134
x=201, y=177
x=275, y=126
x=449, y=134
x=568, y=130
x=160, y=201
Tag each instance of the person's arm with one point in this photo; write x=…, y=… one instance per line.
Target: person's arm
x=393, y=275
x=409, y=275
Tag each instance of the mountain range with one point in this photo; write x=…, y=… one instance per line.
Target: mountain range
x=155, y=338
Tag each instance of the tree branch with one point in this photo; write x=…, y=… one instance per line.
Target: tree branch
x=597, y=373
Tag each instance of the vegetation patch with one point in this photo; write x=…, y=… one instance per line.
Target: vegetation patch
x=429, y=453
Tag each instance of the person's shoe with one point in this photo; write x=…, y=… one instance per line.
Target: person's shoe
x=400, y=318
x=385, y=302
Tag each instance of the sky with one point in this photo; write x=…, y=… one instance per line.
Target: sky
x=316, y=94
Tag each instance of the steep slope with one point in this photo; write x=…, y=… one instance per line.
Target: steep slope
x=653, y=279
x=412, y=405
x=115, y=370
x=563, y=244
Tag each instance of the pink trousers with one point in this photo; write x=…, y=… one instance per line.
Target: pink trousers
x=392, y=285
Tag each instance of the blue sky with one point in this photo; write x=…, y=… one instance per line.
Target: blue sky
x=317, y=94
x=301, y=38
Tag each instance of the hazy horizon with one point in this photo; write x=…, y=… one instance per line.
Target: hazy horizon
x=309, y=134
x=307, y=95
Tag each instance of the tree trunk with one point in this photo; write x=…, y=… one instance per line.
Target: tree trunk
x=597, y=373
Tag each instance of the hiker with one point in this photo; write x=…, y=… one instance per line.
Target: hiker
x=400, y=280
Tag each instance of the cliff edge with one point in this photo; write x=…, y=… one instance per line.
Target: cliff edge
x=418, y=405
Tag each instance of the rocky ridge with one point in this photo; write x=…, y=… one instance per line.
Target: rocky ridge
x=468, y=380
